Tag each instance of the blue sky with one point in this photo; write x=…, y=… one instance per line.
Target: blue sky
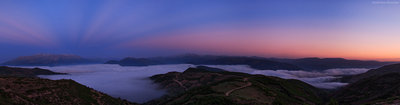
x=270, y=28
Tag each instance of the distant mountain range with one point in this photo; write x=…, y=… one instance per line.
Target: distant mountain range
x=331, y=63
x=257, y=63
x=308, y=64
x=48, y=60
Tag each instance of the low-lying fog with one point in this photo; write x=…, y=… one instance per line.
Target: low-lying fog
x=322, y=79
x=132, y=83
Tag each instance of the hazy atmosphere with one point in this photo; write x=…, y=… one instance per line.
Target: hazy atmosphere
x=354, y=29
x=199, y=52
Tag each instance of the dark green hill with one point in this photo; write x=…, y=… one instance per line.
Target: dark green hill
x=203, y=87
x=376, y=89
x=378, y=86
x=20, y=86
x=394, y=68
x=36, y=91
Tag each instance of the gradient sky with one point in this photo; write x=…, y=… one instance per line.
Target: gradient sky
x=354, y=29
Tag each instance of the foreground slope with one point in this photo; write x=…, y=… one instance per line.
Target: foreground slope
x=19, y=86
x=377, y=86
x=204, y=87
x=36, y=91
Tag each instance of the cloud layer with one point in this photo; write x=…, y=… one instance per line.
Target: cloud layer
x=133, y=84
x=322, y=79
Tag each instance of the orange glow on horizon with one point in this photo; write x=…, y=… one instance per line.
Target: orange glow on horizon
x=287, y=43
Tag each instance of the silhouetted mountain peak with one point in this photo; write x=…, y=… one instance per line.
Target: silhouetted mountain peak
x=48, y=60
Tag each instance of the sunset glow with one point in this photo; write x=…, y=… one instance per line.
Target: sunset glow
x=358, y=29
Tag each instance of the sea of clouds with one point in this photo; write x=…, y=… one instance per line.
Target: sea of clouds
x=324, y=79
x=133, y=83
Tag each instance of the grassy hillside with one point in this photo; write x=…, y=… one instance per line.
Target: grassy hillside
x=36, y=91
x=378, y=86
x=20, y=86
x=204, y=87
x=372, y=90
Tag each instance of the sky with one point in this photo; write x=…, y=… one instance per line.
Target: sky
x=353, y=29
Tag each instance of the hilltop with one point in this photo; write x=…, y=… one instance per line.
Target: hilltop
x=37, y=91
x=208, y=87
x=25, y=72
x=21, y=86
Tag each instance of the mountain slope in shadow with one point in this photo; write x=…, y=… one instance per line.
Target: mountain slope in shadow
x=20, y=86
x=378, y=86
x=207, y=87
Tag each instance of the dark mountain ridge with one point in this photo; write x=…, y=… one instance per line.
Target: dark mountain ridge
x=331, y=63
x=308, y=64
x=256, y=63
x=394, y=68
x=24, y=72
x=48, y=60
x=378, y=86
